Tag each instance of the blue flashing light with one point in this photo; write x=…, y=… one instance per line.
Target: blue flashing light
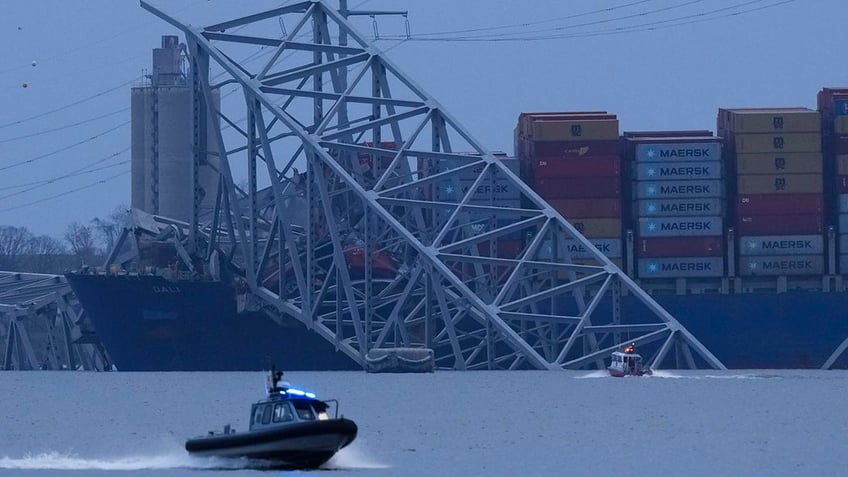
x=298, y=392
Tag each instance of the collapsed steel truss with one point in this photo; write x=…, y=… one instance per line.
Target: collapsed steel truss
x=363, y=246
x=43, y=327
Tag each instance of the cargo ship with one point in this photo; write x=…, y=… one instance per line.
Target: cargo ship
x=741, y=234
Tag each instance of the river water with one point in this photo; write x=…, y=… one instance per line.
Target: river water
x=529, y=423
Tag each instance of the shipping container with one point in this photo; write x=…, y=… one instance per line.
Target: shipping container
x=680, y=226
x=680, y=267
x=578, y=188
x=578, y=129
x=843, y=223
x=781, y=245
x=526, y=120
x=842, y=163
x=678, y=170
x=501, y=191
x=610, y=247
x=679, y=189
x=679, y=207
x=586, y=166
x=843, y=264
x=794, y=121
x=790, y=265
x=774, y=204
x=779, y=184
x=842, y=184
x=694, y=133
x=789, y=142
x=444, y=164
x=598, y=228
x=779, y=163
x=840, y=123
x=843, y=203
x=843, y=243
x=658, y=247
x=618, y=262
x=798, y=224
x=502, y=248
x=839, y=144
x=570, y=149
x=587, y=208
x=679, y=151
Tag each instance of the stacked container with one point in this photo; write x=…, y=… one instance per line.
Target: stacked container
x=778, y=202
x=679, y=203
x=572, y=160
x=493, y=190
x=833, y=107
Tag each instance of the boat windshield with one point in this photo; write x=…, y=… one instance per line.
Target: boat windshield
x=303, y=409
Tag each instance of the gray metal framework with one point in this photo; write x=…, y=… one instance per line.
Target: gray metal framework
x=42, y=326
x=340, y=225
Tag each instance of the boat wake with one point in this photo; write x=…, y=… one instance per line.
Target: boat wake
x=53, y=460
x=66, y=461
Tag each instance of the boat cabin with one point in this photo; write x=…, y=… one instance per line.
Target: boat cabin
x=627, y=363
x=280, y=411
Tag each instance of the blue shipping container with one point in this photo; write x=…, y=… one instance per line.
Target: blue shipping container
x=705, y=151
x=790, y=265
x=680, y=226
x=781, y=245
x=679, y=207
x=679, y=189
x=659, y=171
x=683, y=267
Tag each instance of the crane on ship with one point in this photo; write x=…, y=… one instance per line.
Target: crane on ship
x=357, y=247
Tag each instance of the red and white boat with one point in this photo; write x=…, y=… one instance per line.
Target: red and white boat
x=627, y=363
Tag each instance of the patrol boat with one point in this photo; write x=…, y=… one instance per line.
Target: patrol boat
x=627, y=363
x=290, y=429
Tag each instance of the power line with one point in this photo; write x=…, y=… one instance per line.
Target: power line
x=40, y=184
x=78, y=189
x=60, y=128
x=69, y=105
x=57, y=151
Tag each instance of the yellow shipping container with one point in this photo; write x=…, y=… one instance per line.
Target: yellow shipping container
x=780, y=184
x=776, y=120
x=598, y=228
x=794, y=142
x=775, y=163
x=576, y=130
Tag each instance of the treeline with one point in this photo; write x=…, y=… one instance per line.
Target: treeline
x=81, y=244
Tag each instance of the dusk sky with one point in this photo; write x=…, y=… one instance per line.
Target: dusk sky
x=657, y=64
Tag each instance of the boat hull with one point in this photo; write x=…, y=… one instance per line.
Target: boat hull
x=148, y=323
x=302, y=445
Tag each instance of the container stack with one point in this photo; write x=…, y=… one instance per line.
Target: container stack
x=572, y=160
x=779, y=200
x=679, y=206
x=833, y=106
x=494, y=190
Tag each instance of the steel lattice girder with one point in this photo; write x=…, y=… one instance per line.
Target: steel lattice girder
x=393, y=235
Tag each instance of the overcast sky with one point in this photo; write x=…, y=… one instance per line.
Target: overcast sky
x=657, y=64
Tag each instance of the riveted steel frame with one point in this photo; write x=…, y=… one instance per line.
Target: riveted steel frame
x=383, y=258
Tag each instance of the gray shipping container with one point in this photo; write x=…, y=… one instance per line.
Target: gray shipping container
x=781, y=265
x=670, y=171
x=843, y=264
x=843, y=223
x=679, y=189
x=843, y=244
x=843, y=203
x=781, y=245
x=679, y=207
x=680, y=226
x=683, y=267
x=701, y=151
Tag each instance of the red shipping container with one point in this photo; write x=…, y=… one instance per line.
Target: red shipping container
x=586, y=166
x=797, y=224
x=659, y=247
x=587, y=208
x=566, y=149
x=778, y=204
x=579, y=188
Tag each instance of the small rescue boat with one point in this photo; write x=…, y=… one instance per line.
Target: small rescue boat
x=290, y=429
x=627, y=363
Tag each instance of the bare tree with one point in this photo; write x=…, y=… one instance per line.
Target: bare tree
x=81, y=240
x=109, y=229
x=13, y=243
x=45, y=254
